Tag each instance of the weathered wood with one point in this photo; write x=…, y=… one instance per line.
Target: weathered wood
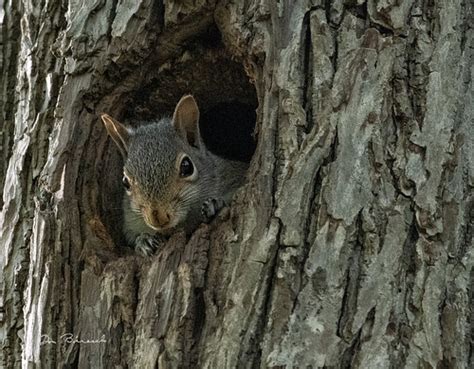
x=350, y=245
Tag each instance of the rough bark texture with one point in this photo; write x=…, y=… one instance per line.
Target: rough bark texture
x=351, y=245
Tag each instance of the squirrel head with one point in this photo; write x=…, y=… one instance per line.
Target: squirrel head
x=168, y=171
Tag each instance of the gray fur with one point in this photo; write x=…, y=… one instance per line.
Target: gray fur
x=151, y=161
x=152, y=155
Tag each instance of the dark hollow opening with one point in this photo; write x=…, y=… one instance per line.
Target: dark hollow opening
x=226, y=99
x=227, y=129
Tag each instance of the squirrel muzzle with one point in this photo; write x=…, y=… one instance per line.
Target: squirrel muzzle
x=157, y=219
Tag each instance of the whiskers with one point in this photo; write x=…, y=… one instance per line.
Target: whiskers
x=187, y=203
x=135, y=215
x=191, y=196
x=182, y=205
x=135, y=209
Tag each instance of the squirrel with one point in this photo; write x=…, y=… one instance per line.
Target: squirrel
x=172, y=181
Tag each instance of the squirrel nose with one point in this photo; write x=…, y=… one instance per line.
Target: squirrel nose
x=160, y=217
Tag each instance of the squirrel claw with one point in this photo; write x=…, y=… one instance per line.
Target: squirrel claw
x=147, y=244
x=210, y=208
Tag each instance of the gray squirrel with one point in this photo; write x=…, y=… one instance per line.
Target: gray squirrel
x=172, y=181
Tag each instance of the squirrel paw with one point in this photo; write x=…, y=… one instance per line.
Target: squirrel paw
x=211, y=207
x=147, y=244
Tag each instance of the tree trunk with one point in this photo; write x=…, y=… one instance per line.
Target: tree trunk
x=350, y=245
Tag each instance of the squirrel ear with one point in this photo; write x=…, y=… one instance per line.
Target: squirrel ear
x=186, y=120
x=119, y=133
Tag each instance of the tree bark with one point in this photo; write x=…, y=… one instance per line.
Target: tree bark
x=351, y=243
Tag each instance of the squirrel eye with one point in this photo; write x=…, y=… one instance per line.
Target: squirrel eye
x=126, y=183
x=186, y=167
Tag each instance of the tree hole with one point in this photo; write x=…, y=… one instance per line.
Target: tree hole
x=226, y=98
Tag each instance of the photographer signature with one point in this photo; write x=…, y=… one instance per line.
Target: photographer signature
x=69, y=338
